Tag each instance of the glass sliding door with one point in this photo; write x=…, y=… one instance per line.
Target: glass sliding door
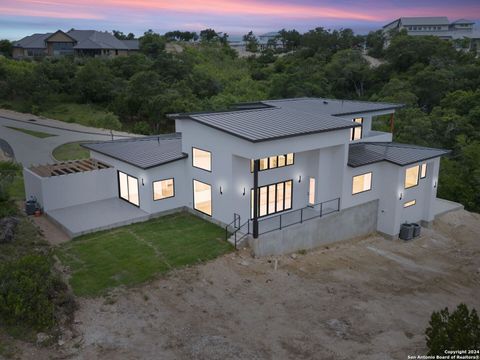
x=273, y=198
x=128, y=188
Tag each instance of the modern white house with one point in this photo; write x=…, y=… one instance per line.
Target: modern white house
x=285, y=174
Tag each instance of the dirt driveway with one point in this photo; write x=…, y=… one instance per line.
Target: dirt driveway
x=363, y=299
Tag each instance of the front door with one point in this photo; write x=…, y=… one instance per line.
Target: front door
x=128, y=188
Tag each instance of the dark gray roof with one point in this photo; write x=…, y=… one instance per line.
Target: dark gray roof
x=92, y=39
x=463, y=21
x=132, y=44
x=275, y=119
x=35, y=41
x=145, y=152
x=430, y=20
x=365, y=153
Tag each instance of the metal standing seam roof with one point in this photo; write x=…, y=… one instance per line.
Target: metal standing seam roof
x=366, y=153
x=145, y=153
x=276, y=119
x=430, y=20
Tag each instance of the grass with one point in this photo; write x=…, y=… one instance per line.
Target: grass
x=70, y=151
x=38, y=134
x=16, y=190
x=136, y=253
x=84, y=114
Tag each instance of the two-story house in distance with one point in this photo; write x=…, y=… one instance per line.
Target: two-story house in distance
x=288, y=174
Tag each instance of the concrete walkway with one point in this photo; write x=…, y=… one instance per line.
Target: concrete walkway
x=95, y=216
x=30, y=150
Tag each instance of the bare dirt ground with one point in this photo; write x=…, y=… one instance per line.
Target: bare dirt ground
x=363, y=299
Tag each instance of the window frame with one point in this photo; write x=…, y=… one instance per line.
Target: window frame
x=277, y=166
x=405, y=177
x=354, y=129
x=153, y=189
x=371, y=183
x=409, y=203
x=267, y=186
x=193, y=159
x=421, y=170
x=193, y=197
x=128, y=188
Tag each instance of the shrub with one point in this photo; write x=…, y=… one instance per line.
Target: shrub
x=459, y=330
x=109, y=121
x=27, y=289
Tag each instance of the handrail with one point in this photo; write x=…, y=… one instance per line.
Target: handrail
x=235, y=232
x=234, y=222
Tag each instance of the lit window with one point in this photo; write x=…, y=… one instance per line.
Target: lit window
x=361, y=183
x=423, y=171
x=311, y=192
x=356, y=133
x=163, y=189
x=202, y=197
x=273, y=198
x=273, y=162
x=290, y=159
x=409, y=203
x=202, y=159
x=411, y=176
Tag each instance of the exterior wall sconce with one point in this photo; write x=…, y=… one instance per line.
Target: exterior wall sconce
x=401, y=196
x=300, y=178
x=243, y=192
x=143, y=182
x=221, y=190
x=435, y=184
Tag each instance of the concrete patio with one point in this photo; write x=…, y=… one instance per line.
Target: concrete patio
x=443, y=206
x=95, y=216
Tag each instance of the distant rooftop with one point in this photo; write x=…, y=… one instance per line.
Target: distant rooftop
x=365, y=153
x=143, y=152
x=430, y=20
x=275, y=119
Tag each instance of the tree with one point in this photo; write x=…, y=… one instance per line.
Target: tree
x=208, y=35
x=6, y=48
x=178, y=35
x=290, y=39
x=121, y=36
x=251, y=42
x=94, y=82
x=152, y=44
x=459, y=330
x=375, y=42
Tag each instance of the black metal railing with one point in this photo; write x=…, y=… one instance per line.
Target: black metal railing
x=281, y=221
x=289, y=218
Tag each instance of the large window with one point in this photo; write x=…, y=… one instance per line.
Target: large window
x=163, y=189
x=128, y=188
x=411, y=176
x=423, y=171
x=273, y=198
x=356, y=132
x=202, y=159
x=273, y=162
x=361, y=183
x=202, y=197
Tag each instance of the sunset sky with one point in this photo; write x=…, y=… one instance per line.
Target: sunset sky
x=23, y=17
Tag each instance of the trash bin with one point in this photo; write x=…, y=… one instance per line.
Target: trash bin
x=416, y=230
x=30, y=207
x=406, y=232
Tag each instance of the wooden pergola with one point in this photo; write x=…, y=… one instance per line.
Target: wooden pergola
x=69, y=167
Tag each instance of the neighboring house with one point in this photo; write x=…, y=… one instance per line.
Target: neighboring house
x=437, y=26
x=305, y=157
x=73, y=42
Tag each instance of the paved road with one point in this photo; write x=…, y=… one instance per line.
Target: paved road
x=30, y=150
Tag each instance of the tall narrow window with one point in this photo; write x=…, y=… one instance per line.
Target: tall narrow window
x=202, y=159
x=356, y=132
x=311, y=192
x=280, y=192
x=411, y=176
x=423, y=171
x=290, y=158
x=202, y=197
x=163, y=189
x=263, y=201
x=128, y=188
x=272, y=201
x=361, y=183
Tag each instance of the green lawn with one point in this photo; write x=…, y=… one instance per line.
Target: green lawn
x=38, y=134
x=135, y=253
x=16, y=189
x=71, y=151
